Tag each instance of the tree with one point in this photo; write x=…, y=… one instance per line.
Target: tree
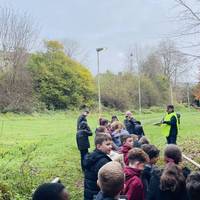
x=189, y=18
x=174, y=63
x=59, y=81
x=118, y=90
x=196, y=92
x=74, y=50
x=17, y=35
x=152, y=65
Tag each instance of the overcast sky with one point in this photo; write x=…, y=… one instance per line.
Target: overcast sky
x=115, y=24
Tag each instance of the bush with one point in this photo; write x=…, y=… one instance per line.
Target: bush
x=60, y=82
x=5, y=193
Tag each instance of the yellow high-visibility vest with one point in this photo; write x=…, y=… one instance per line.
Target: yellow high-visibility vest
x=166, y=127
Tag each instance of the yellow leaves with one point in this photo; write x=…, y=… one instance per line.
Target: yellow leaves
x=53, y=45
x=197, y=92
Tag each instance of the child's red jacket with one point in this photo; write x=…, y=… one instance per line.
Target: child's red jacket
x=124, y=149
x=134, y=188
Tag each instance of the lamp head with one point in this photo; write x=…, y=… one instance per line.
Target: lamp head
x=100, y=49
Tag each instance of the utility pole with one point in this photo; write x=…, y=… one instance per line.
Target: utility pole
x=188, y=95
x=131, y=63
x=171, y=92
x=139, y=80
x=98, y=79
x=139, y=90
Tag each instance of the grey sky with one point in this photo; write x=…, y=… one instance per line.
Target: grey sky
x=115, y=24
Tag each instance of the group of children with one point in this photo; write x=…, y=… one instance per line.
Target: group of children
x=143, y=180
x=123, y=166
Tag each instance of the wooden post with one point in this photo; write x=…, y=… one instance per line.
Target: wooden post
x=192, y=161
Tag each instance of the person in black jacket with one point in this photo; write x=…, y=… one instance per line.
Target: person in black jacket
x=82, y=140
x=193, y=186
x=169, y=184
x=153, y=153
x=93, y=162
x=51, y=191
x=82, y=117
x=132, y=125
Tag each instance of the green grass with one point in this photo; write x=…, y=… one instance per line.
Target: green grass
x=37, y=148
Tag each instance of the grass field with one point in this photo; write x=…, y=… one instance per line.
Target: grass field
x=37, y=148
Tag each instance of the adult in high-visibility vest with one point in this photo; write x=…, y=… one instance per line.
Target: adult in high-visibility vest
x=170, y=125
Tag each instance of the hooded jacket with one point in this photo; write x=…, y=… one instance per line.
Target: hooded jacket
x=124, y=150
x=92, y=163
x=134, y=188
x=116, y=135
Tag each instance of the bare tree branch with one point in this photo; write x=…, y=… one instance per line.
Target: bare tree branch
x=17, y=36
x=188, y=8
x=74, y=50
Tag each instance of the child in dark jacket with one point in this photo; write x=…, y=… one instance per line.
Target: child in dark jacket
x=110, y=181
x=153, y=154
x=93, y=162
x=169, y=184
x=82, y=140
x=51, y=191
x=134, y=188
x=193, y=186
x=127, y=145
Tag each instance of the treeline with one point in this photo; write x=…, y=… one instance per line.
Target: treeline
x=50, y=79
x=121, y=90
x=157, y=77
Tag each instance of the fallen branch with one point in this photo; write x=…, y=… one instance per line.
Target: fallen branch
x=192, y=161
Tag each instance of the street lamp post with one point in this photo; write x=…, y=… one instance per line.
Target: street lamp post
x=139, y=80
x=98, y=79
x=139, y=90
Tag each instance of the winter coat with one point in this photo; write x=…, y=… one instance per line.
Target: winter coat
x=133, y=188
x=130, y=125
x=82, y=139
x=117, y=135
x=155, y=193
x=92, y=163
x=124, y=150
x=139, y=130
x=146, y=176
x=134, y=127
